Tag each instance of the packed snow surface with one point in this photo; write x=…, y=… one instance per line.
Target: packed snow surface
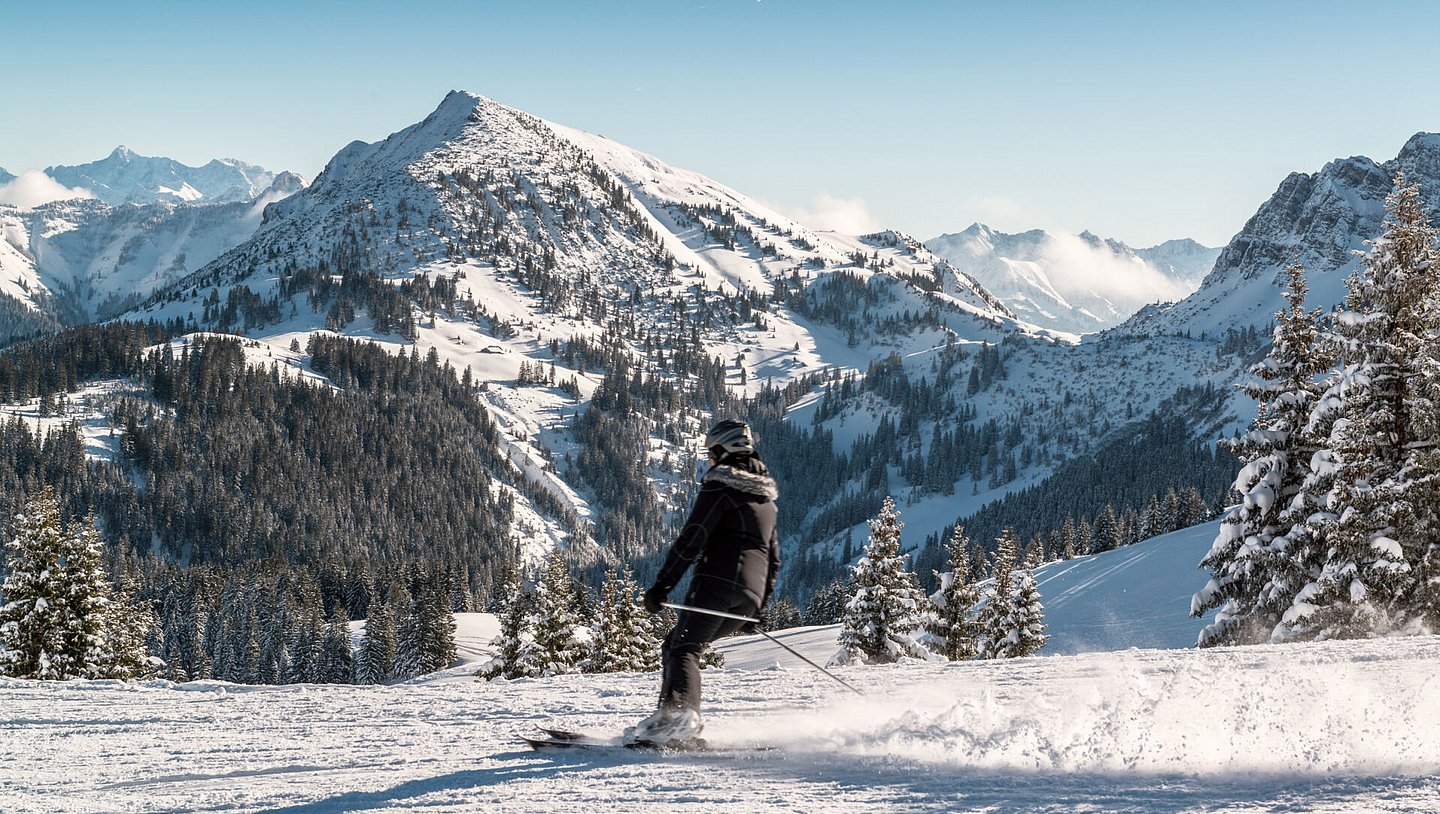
x=1336, y=727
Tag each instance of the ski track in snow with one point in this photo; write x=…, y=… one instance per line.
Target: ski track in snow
x=1332, y=727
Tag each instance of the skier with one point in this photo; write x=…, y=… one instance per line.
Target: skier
x=731, y=534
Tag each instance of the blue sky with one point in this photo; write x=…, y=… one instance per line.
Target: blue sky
x=1138, y=120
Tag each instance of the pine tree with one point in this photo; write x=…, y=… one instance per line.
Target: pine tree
x=1253, y=561
x=337, y=660
x=953, y=628
x=89, y=620
x=1374, y=577
x=557, y=649
x=886, y=607
x=410, y=643
x=1193, y=510
x=307, y=642
x=437, y=626
x=827, y=606
x=996, y=616
x=131, y=622
x=1027, y=622
x=623, y=636
x=1069, y=535
x=515, y=646
x=1107, y=530
x=34, y=622
x=377, y=651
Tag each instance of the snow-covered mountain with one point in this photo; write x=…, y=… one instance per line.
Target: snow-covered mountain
x=1074, y=283
x=127, y=177
x=481, y=184
x=541, y=239
x=1321, y=220
x=5, y=176
x=82, y=260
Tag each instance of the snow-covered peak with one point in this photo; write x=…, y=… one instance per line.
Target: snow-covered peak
x=125, y=176
x=5, y=177
x=479, y=179
x=1074, y=283
x=1321, y=220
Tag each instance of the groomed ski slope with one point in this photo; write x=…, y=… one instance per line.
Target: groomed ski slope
x=1329, y=727
x=1337, y=727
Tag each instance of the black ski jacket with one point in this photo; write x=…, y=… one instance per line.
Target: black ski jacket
x=731, y=531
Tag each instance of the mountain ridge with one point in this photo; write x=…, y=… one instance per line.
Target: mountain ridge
x=1074, y=283
x=1322, y=220
x=124, y=177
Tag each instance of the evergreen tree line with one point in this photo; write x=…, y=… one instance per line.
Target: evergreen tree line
x=276, y=623
x=240, y=462
x=1337, y=530
x=61, y=616
x=65, y=612
x=544, y=632
x=1152, y=477
x=887, y=616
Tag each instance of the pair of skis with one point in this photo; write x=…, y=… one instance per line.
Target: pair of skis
x=567, y=739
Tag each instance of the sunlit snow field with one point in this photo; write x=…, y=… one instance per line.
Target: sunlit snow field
x=1331, y=727
x=1335, y=727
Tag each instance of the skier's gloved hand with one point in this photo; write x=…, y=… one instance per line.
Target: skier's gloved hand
x=654, y=597
x=751, y=628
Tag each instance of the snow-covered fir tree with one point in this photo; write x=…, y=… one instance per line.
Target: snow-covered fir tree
x=515, y=645
x=1027, y=619
x=337, y=660
x=307, y=643
x=827, y=606
x=86, y=599
x=1107, y=530
x=425, y=642
x=34, y=620
x=623, y=635
x=557, y=649
x=59, y=618
x=376, y=661
x=438, y=622
x=1256, y=562
x=409, y=643
x=954, y=633
x=887, y=606
x=996, y=617
x=1378, y=531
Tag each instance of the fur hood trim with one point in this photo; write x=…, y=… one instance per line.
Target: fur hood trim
x=740, y=480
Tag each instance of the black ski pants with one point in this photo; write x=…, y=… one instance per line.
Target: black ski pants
x=680, y=652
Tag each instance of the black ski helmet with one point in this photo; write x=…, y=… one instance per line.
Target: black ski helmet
x=729, y=437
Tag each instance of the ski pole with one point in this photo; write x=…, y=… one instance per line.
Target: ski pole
x=793, y=651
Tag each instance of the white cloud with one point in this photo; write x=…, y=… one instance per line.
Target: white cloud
x=34, y=187
x=845, y=215
x=1077, y=266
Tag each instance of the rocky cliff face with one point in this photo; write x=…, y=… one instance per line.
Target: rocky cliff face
x=1322, y=220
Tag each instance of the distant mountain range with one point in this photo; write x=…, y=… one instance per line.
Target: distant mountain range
x=81, y=260
x=1074, y=283
x=127, y=177
x=574, y=278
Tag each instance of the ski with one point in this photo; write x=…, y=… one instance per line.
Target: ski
x=565, y=734
x=569, y=739
x=539, y=744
